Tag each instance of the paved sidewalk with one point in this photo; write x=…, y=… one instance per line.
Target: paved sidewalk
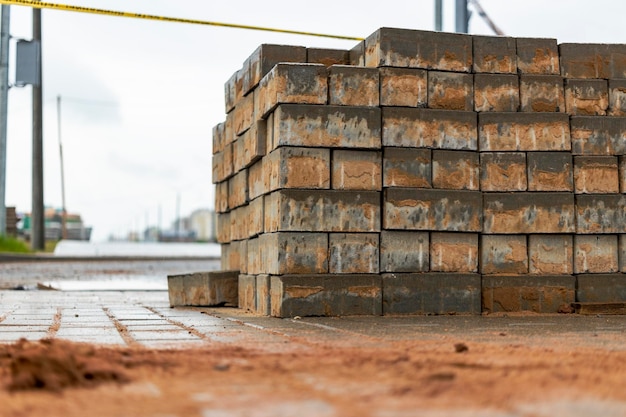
x=144, y=318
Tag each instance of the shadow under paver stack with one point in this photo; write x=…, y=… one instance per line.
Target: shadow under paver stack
x=424, y=173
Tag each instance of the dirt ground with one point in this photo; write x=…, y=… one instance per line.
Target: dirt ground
x=57, y=378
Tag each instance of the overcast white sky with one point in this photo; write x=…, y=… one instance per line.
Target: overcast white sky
x=140, y=98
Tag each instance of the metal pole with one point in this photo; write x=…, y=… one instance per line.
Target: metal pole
x=462, y=16
x=38, y=222
x=64, y=207
x=439, y=15
x=4, y=96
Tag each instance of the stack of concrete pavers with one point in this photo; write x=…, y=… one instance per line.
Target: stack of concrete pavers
x=424, y=172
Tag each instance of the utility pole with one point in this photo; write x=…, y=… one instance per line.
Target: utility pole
x=462, y=17
x=37, y=213
x=439, y=15
x=64, y=207
x=4, y=96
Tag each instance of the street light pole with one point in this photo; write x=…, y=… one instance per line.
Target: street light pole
x=4, y=95
x=37, y=212
x=462, y=17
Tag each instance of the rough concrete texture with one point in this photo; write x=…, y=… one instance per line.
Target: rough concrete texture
x=212, y=288
x=496, y=92
x=420, y=153
x=431, y=293
x=404, y=87
x=540, y=294
x=494, y=54
x=504, y=254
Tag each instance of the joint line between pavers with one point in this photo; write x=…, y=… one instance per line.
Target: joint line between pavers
x=56, y=323
x=190, y=329
x=335, y=329
x=121, y=329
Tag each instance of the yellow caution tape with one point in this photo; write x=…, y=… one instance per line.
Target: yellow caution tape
x=80, y=9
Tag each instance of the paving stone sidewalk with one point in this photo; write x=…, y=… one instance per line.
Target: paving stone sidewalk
x=144, y=318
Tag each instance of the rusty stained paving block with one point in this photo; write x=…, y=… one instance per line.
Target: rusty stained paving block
x=537, y=56
x=327, y=126
x=223, y=227
x=593, y=60
x=550, y=171
x=541, y=93
x=431, y=293
x=496, y=92
x=264, y=58
x=592, y=135
x=239, y=223
x=293, y=253
x=357, y=54
x=440, y=210
x=622, y=252
x=551, y=254
x=507, y=213
x=219, y=140
x=353, y=86
x=353, y=253
x=238, y=189
x=450, y=91
x=247, y=292
x=295, y=167
x=222, y=164
x=586, y=97
x=402, y=251
x=243, y=114
x=600, y=213
x=596, y=174
x=250, y=146
x=503, y=171
x=326, y=295
x=407, y=167
x=429, y=128
x=263, y=296
x=503, y=254
x=617, y=97
x=524, y=132
x=256, y=216
x=404, y=87
x=221, y=197
x=175, y=290
x=539, y=294
x=225, y=250
x=453, y=252
x=622, y=174
x=494, y=54
x=601, y=288
x=254, y=260
x=456, y=170
x=257, y=174
x=390, y=47
x=292, y=83
x=322, y=211
x=595, y=254
x=327, y=56
x=356, y=170
x=230, y=92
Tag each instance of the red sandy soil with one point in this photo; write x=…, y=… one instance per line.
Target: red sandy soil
x=56, y=378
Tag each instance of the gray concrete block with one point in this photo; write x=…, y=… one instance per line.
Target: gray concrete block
x=595, y=254
x=592, y=135
x=326, y=295
x=402, y=251
x=551, y=254
x=503, y=254
x=429, y=128
x=509, y=213
x=536, y=293
x=431, y=293
x=212, y=288
x=353, y=253
x=247, y=292
x=327, y=56
x=593, y=60
x=600, y=213
x=601, y=288
x=439, y=210
x=353, y=86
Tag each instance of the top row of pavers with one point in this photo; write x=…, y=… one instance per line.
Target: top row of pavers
x=404, y=48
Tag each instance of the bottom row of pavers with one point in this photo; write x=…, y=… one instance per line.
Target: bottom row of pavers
x=394, y=293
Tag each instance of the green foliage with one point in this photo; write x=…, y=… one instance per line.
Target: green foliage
x=9, y=244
